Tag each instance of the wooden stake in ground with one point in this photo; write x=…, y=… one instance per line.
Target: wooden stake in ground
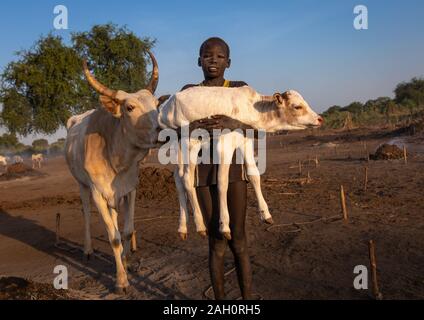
x=57, y=228
x=373, y=262
x=366, y=179
x=316, y=162
x=308, y=179
x=300, y=168
x=367, y=155
x=405, y=156
x=343, y=202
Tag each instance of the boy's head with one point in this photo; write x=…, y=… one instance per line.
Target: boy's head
x=214, y=57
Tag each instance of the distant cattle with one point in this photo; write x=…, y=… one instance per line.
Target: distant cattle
x=17, y=159
x=3, y=161
x=37, y=159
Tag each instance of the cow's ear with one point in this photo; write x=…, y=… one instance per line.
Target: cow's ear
x=111, y=105
x=162, y=99
x=278, y=98
x=286, y=95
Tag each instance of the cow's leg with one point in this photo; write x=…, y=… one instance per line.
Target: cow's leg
x=85, y=199
x=189, y=178
x=132, y=211
x=114, y=239
x=182, y=226
x=255, y=179
x=129, y=242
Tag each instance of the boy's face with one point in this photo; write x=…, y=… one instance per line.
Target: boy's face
x=214, y=60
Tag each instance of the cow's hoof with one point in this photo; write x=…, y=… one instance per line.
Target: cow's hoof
x=227, y=235
x=183, y=236
x=203, y=234
x=87, y=256
x=121, y=290
x=269, y=221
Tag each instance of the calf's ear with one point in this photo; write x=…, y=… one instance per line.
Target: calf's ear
x=278, y=98
x=111, y=105
x=162, y=99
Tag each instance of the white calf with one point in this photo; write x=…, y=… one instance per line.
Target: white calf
x=286, y=111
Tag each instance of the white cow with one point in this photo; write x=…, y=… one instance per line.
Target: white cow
x=286, y=111
x=3, y=161
x=103, y=148
x=37, y=159
x=17, y=159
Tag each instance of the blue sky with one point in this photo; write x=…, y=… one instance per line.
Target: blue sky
x=305, y=45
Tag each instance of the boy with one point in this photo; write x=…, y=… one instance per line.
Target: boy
x=214, y=58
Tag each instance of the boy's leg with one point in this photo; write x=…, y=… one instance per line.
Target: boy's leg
x=208, y=200
x=237, y=196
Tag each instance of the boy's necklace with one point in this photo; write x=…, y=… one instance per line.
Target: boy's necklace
x=226, y=83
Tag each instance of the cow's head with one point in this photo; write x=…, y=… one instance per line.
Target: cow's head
x=295, y=112
x=137, y=111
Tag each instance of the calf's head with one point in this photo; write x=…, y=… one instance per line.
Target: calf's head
x=294, y=113
x=137, y=111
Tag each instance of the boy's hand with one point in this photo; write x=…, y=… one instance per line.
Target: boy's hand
x=219, y=122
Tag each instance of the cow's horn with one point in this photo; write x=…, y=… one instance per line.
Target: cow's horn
x=100, y=88
x=155, y=74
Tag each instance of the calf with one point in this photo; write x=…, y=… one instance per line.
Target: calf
x=282, y=111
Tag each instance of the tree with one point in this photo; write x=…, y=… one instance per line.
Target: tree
x=41, y=90
x=46, y=85
x=8, y=140
x=57, y=147
x=411, y=92
x=40, y=145
x=117, y=55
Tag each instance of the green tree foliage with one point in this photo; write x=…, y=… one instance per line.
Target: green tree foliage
x=8, y=140
x=40, y=91
x=40, y=145
x=408, y=104
x=410, y=93
x=46, y=85
x=57, y=147
x=116, y=54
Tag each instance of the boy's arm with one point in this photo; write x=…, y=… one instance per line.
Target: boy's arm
x=218, y=121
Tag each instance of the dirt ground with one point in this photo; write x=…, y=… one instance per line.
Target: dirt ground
x=309, y=253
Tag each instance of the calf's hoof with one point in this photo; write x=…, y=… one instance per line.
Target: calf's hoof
x=227, y=235
x=183, y=236
x=269, y=221
x=203, y=234
x=121, y=290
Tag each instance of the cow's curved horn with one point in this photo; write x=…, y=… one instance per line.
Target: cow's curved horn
x=153, y=84
x=100, y=88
